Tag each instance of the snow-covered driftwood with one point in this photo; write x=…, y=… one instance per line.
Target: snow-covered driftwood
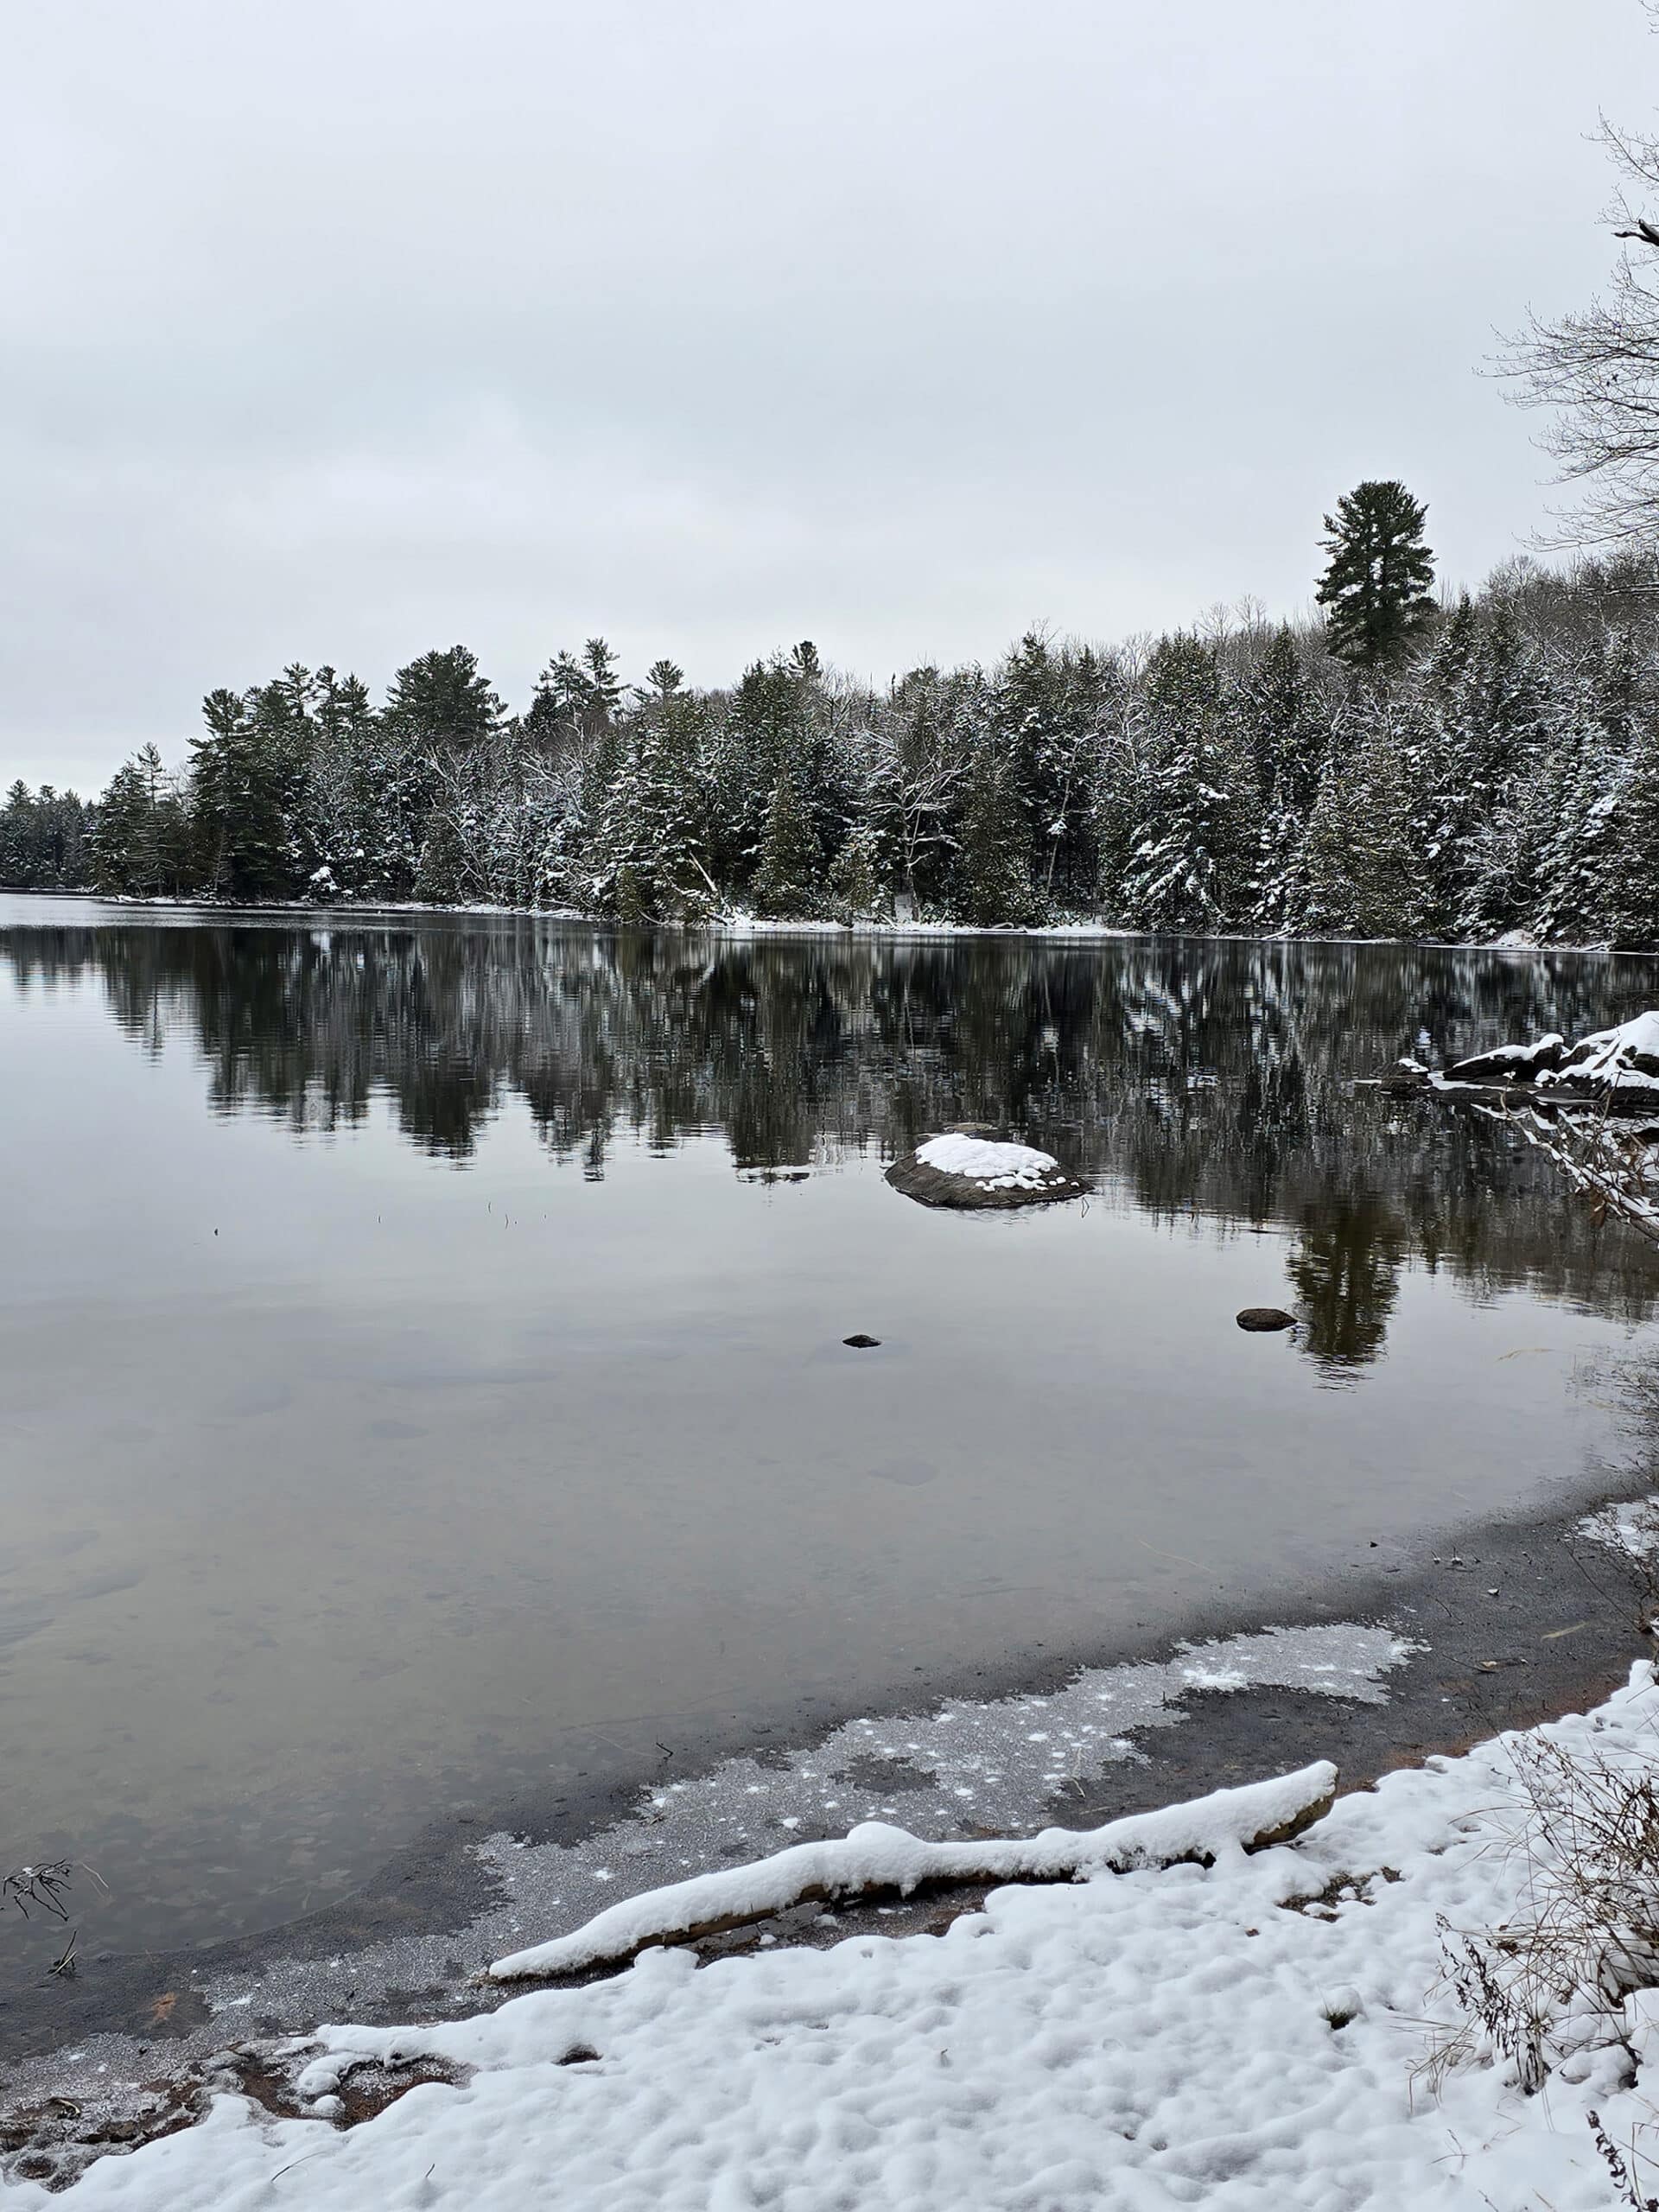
x=968, y=1168
x=875, y=1857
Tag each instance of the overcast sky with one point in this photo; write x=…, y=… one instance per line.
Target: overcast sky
x=337, y=330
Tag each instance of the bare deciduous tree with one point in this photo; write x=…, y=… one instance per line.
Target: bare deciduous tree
x=1598, y=370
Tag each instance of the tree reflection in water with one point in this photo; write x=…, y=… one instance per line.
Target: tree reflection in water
x=1208, y=1083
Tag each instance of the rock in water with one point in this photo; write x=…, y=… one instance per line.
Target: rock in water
x=967, y=1167
x=1511, y=1063
x=862, y=1342
x=1262, y=1318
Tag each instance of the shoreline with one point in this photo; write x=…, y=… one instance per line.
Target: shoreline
x=1560, y=1635
x=345, y=913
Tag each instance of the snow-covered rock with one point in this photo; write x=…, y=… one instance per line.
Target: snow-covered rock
x=1003, y=1166
x=1614, y=1059
x=965, y=1168
x=1511, y=1063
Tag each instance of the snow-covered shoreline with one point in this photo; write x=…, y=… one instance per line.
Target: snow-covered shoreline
x=738, y=924
x=1255, y=2033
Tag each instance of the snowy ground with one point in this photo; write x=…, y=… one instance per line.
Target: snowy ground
x=1252, y=2033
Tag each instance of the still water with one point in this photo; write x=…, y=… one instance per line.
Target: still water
x=422, y=1365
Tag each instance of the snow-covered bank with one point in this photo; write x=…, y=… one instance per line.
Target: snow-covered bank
x=1251, y=2034
x=738, y=924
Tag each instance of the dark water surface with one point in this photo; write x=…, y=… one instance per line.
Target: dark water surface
x=422, y=1362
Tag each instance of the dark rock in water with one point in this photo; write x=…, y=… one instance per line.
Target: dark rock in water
x=1511, y=1063
x=1403, y=1078
x=1262, y=1318
x=862, y=1342
x=988, y=1182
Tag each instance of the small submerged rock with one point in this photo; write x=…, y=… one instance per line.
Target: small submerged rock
x=862, y=1342
x=968, y=1167
x=1260, y=1319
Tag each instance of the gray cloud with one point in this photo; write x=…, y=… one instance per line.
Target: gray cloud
x=337, y=331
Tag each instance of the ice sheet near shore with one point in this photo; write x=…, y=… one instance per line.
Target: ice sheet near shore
x=1245, y=2035
x=1631, y=1528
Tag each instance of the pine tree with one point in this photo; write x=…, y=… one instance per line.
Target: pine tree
x=247, y=780
x=1190, y=868
x=1363, y=872
x=1378, y=583
x=442, y=700
x=1632, y=888
x=1287, y=740
x=785, y=881
x=993, y=886
x=604, y=685
x=1448, y=773
x=138, y=838
x=859, y=887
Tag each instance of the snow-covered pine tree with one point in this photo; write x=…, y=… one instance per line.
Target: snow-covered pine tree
x=994, y=887
x=1365, y=873
x=1512, y=724
x=1190, y=866
x=786, y=883
x=860, y=887
x=646, y=858
x=1450, y=799
x=1578, y=796
x=1048, y=706
x=1278, y=720
x=1631, y=879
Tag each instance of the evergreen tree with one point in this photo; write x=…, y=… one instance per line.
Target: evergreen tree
x=139, y=838
x=1377, y=582
x=785, y=881
x=604, y=685
x=647, y=862
x=45, y=839
x=993, y=886
x=858, y=883
x=1448, y=771
x=248, y=772
x=440, y=699
x=1190, y=868
x=1363, y=872
x=1288, y=741
x=1632, y=890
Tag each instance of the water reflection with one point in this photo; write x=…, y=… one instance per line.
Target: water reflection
x=1198, y=1082
x=494, y=1427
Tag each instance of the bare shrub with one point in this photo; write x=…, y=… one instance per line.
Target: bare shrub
x=1585, y=1932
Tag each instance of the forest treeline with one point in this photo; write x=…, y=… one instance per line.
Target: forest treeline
x=1500, y=774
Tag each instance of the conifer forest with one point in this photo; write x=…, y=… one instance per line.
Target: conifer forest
x=1398, y=765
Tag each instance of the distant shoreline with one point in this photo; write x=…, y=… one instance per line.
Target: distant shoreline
x=742, y=925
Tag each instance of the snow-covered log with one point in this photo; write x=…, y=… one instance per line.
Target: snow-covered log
x=875, y=1857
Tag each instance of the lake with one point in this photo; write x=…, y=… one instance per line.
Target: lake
x=423, y=1371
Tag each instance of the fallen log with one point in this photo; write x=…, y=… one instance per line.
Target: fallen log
x=874, y=1858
